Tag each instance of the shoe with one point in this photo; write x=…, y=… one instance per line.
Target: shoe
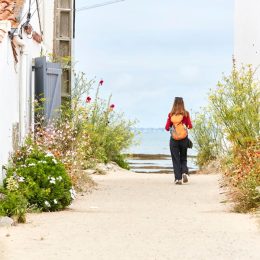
x=185, y=178
x=178, y=182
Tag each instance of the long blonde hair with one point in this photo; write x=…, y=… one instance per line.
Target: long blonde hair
x=178, y=107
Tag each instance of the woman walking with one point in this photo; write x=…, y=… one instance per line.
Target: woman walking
x=178, y=122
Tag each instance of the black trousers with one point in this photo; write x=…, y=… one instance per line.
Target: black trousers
x=179, y=156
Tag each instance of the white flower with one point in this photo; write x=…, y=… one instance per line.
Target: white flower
x=54, y=160
x=59, y=178
x=52, y=180
x=47, y=203
x=55, y=201
x=49, y=154
x=20, y=179
x=31, y=164
x=44, y=162
x=73, y=193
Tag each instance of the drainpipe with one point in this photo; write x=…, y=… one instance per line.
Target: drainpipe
x=23, y=88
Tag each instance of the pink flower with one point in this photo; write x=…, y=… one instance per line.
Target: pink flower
x=88, y=99
x=101, y=82
x=112, y=106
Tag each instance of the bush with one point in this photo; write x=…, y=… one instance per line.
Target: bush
x=110, y=135
x=235, y=107
x=207, y=139
x=105, y=131
x=241, y=174
x=63, y=138
x=234, y=114
x=13, y=204
x=88, y=131
x=40, y=178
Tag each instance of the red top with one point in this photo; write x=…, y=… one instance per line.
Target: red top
x=186, y=121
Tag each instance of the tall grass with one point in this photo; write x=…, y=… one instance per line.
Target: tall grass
x=208, y=139
x=235, y=106
x=108, y=130
x=88, y=131
x=230, y=129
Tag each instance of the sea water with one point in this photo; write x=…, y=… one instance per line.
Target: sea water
x=152, y=153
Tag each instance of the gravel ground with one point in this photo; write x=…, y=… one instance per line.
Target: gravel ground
x=138, y=217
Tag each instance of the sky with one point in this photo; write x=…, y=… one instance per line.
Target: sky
x=149, y=51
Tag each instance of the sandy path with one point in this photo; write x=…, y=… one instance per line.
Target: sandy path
x=138, y=217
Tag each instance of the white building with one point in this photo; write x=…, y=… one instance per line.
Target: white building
x=43, y=34
x=247, y=32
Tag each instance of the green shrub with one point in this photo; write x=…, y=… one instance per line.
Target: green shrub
x=207, y=139
x=109, y=137
x=241, y=175
x=88, y=131
x=40, y=178
x=233, y=117
x=107, y=131
x=121, y=160
x=235, y=107
x=13, y=204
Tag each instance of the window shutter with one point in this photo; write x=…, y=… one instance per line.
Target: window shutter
x=48, y=86
x=63, y=36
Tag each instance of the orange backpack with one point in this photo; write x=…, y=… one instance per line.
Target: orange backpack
x=179, y=130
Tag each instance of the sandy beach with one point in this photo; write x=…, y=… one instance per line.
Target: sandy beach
x=138, y=217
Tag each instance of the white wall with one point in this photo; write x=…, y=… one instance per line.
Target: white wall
x=247, y=32
x=47, y=17
x=16, y=79
x=8, y=97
